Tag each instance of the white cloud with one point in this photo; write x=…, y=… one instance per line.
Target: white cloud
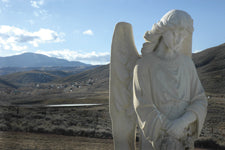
x=43, y=14
x=5, y=1
x=4, y=4
x=88, y=32
x=15, y=47
x=36, y=3
x=89, y=58
x=38, y=11
x=13, y=38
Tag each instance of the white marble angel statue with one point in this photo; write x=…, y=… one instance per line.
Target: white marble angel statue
x=159, y=90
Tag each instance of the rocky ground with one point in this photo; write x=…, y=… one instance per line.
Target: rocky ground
x=214, y=127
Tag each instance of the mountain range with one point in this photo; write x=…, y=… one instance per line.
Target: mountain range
x=210, y=64
x=36, y=68
x=26, y=60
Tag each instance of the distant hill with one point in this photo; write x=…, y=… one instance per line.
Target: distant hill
x=210, y=65
x=68, y=70
x=6, y=84
x=23, y=76
x=36, y=60
x=34, y=76
x=99, y=76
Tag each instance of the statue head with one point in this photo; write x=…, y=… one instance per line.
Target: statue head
x=175, y=28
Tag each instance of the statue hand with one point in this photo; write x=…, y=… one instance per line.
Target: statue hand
x=177, y=129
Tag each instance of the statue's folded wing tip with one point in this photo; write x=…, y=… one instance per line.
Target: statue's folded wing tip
x=123, y=23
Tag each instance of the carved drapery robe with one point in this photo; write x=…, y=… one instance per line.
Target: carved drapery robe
x=164, y=89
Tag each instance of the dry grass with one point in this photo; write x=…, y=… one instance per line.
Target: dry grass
x=37, y=141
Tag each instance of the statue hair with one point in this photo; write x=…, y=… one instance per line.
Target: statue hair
x=171, y=20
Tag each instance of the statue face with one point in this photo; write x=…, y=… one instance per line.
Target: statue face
x=174, y=38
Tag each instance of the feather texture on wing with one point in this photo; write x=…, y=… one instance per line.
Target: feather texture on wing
x=123, y=59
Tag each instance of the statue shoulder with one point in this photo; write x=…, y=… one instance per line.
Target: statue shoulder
x=144, y=64
x=145, y=60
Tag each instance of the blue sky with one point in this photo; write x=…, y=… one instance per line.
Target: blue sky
x=82, y=30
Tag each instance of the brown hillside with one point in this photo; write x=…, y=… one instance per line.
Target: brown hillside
x=4, y=84
x=210, y=65
x=26, y=77
x=99, y=76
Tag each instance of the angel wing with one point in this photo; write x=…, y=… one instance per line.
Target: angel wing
x=123, y=59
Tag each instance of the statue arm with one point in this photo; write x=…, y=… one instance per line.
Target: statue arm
x=199, y=101
x=151, y=120
x=191, y=122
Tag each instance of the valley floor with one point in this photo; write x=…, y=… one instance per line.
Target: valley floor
x=85, y=127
